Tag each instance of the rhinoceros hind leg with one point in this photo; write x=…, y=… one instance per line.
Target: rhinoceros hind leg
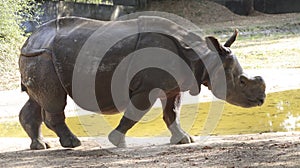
x=70, y=142
x=42, y=83
x=38, y=144
x=31, y=119
x=56, y=122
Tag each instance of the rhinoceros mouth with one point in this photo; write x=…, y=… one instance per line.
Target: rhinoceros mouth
x=253, y=102
x=248, y=102
x=257, y=102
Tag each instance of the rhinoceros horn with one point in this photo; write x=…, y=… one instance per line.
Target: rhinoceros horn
x=232, y=38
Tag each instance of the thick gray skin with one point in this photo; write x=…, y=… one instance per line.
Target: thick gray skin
x=47, y=61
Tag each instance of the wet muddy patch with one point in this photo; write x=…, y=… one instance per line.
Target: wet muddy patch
x=280, y=113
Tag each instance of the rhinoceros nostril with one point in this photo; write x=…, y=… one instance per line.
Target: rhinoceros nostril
x=258, y=78
x=261, y=101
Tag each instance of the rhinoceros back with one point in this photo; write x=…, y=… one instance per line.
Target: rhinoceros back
x=40, y=41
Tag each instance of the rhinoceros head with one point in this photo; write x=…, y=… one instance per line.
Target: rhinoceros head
x=241, y=90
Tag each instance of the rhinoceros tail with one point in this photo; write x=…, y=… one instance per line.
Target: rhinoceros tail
x=23, y=87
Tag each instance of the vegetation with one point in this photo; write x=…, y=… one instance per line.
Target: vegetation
x=13, y=13
x=88, y=1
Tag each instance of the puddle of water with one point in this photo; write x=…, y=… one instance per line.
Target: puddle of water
x=281, y=112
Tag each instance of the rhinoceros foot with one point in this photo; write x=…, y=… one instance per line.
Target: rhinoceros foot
x=38, y=144
x=117, y=138
x=70, y=141
x=182, y=139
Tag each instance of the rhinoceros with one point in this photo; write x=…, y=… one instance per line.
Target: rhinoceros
x=47, y=65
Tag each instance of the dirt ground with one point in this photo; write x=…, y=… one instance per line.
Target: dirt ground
x=255, y=150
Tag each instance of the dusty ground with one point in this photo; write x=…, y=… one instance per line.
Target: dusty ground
x=256, y=150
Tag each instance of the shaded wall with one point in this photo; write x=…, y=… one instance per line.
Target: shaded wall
x=52, y=10
x=277, y=6
x=56, y=9
x=244, y=7
x=241, y=7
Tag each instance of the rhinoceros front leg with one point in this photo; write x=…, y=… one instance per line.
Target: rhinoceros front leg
x=138, y=107
x=31, y=119
x=171, y=116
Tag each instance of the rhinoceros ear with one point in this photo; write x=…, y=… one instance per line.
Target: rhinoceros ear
x=214, y=45
x=232, y=38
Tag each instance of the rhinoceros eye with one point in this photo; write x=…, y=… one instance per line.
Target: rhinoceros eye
x=229, y=57
x=229, y=62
